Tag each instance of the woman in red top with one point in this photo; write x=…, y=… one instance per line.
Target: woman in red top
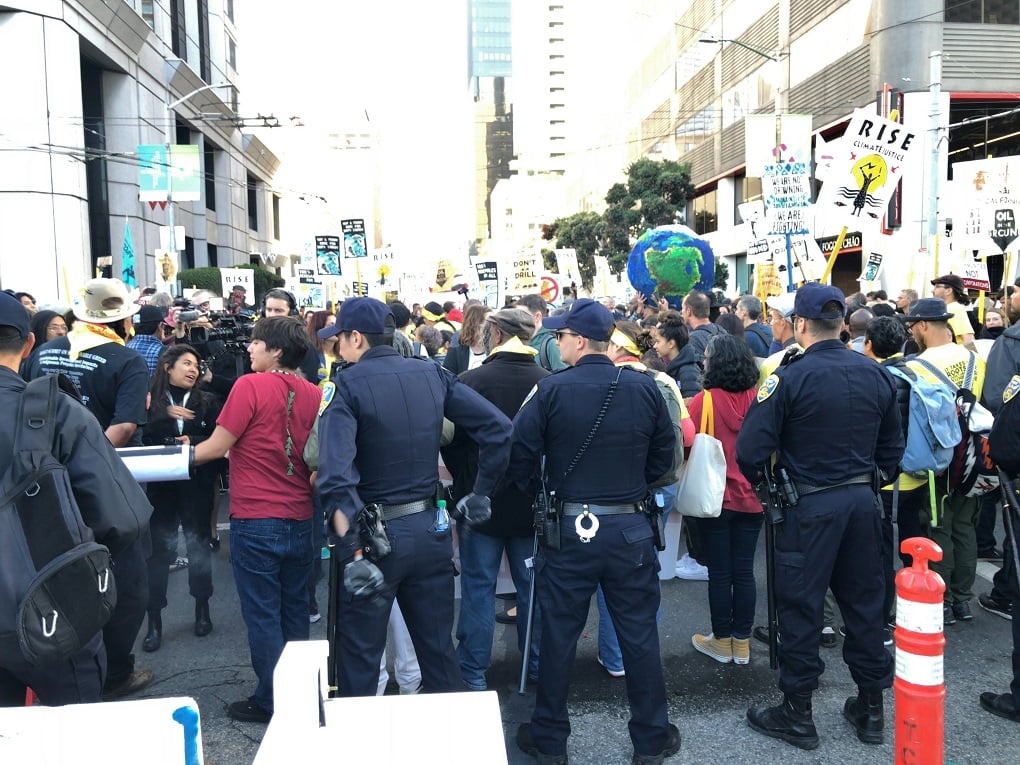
x=730, y=540
x=264, y=424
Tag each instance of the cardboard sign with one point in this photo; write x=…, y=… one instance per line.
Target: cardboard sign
x=566, y=264
x=787, y=192
x=327, y=255
x=353, y=230
x=975, y=276
x=869, y=163
x=872, y=268
x=525, y=274
x=243, y=277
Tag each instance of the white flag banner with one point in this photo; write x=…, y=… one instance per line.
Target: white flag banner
x=762, y=140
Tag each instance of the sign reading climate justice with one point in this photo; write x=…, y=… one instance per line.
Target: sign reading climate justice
x=869, y=163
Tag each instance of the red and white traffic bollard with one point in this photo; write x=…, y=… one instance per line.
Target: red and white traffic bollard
x=919, y=685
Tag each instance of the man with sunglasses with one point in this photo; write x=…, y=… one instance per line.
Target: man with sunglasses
x=603, y=434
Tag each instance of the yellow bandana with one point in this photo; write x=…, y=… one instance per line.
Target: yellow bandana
x=514, y=345
x=84, y=336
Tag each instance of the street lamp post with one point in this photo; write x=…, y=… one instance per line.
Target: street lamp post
x=778, y=112
x=168, y=138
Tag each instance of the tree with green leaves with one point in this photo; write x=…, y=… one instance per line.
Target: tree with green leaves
x=654, y=194
x=581, y=232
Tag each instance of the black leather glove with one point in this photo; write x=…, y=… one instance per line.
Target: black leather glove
x=475, y=508
x=362, y=578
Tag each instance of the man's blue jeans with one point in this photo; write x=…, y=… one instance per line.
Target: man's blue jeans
x=272, y=558
x=480, y=557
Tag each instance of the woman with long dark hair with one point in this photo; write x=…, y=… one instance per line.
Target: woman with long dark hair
x=729, y=541
x=180, y=412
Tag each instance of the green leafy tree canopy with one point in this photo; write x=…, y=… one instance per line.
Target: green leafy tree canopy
x=652, y=196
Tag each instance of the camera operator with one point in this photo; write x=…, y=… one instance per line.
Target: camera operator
x=221, y=339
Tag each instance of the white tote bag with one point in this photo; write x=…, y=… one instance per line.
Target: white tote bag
x=703, y=476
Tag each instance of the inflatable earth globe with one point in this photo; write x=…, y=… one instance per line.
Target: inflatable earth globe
x=670, y=261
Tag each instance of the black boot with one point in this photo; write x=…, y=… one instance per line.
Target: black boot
x=154, y=636
x=203, y=624
x=791, y=721
x=864, y=711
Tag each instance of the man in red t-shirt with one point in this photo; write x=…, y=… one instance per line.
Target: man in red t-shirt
x=264, y=425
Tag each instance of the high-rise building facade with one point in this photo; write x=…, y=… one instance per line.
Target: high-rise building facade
x=489, y=44
x=88, y=82
x=723, y=60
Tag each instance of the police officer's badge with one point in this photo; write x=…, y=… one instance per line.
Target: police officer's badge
x=768, y=387
x=328, y=391
x=1011, y=389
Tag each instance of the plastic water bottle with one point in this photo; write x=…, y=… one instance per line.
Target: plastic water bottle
x=442, y=523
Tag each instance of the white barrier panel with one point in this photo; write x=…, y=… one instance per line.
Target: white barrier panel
x=448, y=728
x=157, y=463
x=153, y=731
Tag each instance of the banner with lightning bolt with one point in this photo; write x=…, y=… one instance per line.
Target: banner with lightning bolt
x=870, y=161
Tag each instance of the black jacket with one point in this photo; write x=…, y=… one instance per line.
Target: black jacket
x=505, y=379
x=111, y=502
x=686, y=370
x=1003, y=363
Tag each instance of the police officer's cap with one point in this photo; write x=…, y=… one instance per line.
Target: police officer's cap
x=812, y=298
x=13, y=314
x=928, y=309
x=586, y=317
x=362, y=314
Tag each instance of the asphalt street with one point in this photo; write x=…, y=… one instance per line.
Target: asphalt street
x=707, y=700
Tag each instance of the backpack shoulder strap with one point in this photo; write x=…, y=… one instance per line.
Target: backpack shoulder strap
x=35, y=431
x=938, y=373
x=544, y=359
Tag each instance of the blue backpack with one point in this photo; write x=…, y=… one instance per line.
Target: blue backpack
x=934, y=430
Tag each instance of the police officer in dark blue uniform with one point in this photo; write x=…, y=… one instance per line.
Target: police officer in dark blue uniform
x=379, y=433
x=831, y=418
x=606, y=435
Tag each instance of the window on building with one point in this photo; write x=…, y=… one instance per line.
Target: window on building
x=276, y=217
x=148, y=14
x=178, y=29
x=695, y=130
x=232, y=53
x=983, y=11
x=214, y=255
x=188, y=255
x=703, y=216
x=230, y=9
x=744, y=190
x=209, y=171
x=253, y=203
x=205, y=62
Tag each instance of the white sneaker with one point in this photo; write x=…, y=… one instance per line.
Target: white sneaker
x=690, y=569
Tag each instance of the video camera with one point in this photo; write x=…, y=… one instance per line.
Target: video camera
x=231, y=329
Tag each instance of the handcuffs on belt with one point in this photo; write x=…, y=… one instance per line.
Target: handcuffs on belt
x=586, y=534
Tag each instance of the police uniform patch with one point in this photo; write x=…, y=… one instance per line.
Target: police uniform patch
x=328, y=391
x=1011, y=389
x=768, y=387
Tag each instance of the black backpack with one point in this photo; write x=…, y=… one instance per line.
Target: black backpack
x=56, y=582
x=1004, y=438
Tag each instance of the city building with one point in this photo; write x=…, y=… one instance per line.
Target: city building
x=722, y=60
x=86, y=83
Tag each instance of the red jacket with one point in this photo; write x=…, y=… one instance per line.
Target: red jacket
x=730, y=409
